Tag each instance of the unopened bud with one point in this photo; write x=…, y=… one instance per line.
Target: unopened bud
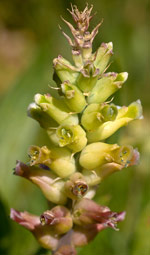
x=106, y=86
x=45, y=180
x=46, y=238
x=96, y=156
x=87, y=212
x=59, y=160
x=74, y=98
x=34, y=111
x=58, y=218
x=56, y=109
x=65, y=70
x=103, y=55
x=96, y=114
x=124, y=116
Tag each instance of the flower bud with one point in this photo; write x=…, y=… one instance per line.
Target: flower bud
x=45, y=180
x=73, y=96
x=46, y=238
x=56, y=109
x=59, y=160
x=87, y=78
x=65, y=70
x=106, y=86
x=86, y=212
x=76, y=187
x=74, y=137
x=34, y=111
x=102, y=56
x=124, y=116
x=58, y=218
x=96, y=156
x=63, y=162
x=96, y=114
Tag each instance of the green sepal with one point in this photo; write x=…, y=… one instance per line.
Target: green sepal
x=65, y=70
x=125, y=115
x=56, y=109
x=96, y=114
x=103, y=55
x=106, y=86
x=74, y=98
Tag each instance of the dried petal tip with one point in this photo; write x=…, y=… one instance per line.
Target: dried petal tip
x=25, y=219
x=83, y=39
x=112, y=218
x=21, y=169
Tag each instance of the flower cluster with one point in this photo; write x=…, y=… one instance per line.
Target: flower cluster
x=77, y=159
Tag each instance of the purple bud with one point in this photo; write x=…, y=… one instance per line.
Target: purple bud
x=66, y=250
x=43, y=234
x=59, y=219
x=87, y=212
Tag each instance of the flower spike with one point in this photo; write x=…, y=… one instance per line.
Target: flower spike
x=77, y=159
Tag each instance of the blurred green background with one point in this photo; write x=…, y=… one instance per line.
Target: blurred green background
x=29, y=40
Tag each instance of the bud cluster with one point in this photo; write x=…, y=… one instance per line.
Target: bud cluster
x=77, y=159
